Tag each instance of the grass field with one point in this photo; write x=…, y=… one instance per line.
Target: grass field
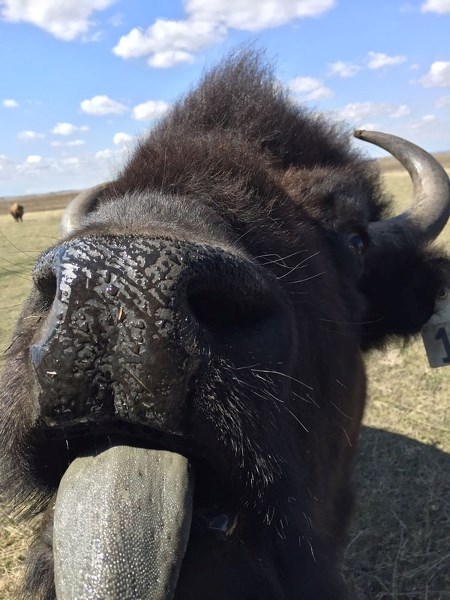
x=400, y=540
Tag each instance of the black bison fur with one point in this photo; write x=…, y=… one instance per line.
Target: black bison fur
x=238, y=165
x=16, y=210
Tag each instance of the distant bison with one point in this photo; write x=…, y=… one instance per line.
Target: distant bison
x=184, y=392
x=16, y=210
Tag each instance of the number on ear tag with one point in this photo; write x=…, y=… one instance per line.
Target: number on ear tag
x=436, y=333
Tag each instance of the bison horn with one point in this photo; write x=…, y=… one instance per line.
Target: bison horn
x=79, y=207
x=430, y=208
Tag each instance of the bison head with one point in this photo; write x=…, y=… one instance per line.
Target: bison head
x=185, y=387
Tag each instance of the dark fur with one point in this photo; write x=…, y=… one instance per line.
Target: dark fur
x=16, y=210
x=237, y=164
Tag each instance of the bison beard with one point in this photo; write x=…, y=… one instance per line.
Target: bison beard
x=183, y=395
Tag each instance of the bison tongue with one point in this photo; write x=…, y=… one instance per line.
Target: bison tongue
x=121, y=525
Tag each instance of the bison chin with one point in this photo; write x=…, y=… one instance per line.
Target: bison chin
x=121, y=524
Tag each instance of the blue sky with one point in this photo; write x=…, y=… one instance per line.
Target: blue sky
x=80, y=79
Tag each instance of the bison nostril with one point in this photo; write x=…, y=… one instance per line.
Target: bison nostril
x=220, y=310
x=46, y=285
x=45, y=278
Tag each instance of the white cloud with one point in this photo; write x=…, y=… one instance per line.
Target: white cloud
x=104, y=155
x=28, y=135
x=10, y=103
x=167, y=43
x=438, y=75
x=73, y=161
x=70, y=143
x=378, y=60
x=66, y=20
x=32, y=165
x=35, y=165
x=442, y=101
x=102, y=105
x=81, y=165
x=33, y=159
x=44, y=174
x=255, y=15
x=309, y=89
x=121, y=138
x=402, y=111
x=169, y=58
x=343, y=69
x=437, y=6
x=68, y=129
x=357, y=112
x=425, y=121
x=369, y=126
x=150, y=110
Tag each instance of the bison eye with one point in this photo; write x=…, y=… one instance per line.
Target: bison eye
x=357, y=242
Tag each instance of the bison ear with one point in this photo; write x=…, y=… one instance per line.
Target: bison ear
x=401, y=291
x=79, y=208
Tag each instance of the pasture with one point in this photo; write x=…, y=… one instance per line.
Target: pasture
x=399, y=545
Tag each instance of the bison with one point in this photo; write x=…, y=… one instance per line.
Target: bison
x=185, y=387
x=16, y=210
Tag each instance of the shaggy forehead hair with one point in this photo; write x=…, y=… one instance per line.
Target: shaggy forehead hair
x=240, y=143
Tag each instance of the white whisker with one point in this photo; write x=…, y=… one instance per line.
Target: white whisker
x=299, y=265
x=297, y=419
x=283, y=375
x=307, y=278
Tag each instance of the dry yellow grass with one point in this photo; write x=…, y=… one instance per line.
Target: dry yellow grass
x=400, y=540
x=20, y=244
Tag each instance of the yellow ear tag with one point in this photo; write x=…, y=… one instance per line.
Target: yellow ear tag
x=436, y=332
